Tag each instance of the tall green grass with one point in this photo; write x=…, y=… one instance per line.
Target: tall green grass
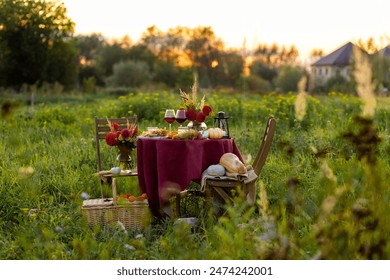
x=321, y=197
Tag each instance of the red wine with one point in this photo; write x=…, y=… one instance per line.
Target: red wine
x=181, y=120
x=169, y=120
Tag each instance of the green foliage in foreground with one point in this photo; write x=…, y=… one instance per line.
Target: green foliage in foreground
x=323, y=192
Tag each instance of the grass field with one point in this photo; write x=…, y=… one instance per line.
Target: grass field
x=323, y=193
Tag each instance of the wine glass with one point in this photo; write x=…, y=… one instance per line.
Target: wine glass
x=181, y=116
x=169, y=117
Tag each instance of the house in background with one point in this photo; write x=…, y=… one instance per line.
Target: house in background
x=385, y=51
x=336, y=63
x=340, y=63
x=381, y=60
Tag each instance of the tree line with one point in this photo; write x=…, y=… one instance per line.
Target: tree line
x=38, y=47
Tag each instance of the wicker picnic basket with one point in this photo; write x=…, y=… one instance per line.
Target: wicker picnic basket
x=103, y=212
x=107, y=212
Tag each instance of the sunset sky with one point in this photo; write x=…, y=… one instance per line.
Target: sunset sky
x=308, y=24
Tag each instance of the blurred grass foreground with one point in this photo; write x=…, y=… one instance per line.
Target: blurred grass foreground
x=323, y=193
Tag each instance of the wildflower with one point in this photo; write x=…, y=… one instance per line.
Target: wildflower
x=327, y=172
x=122, y=226
x=300, y=102
x=84, y=196
x=129, y=247
x=328, y=204
x=264, y=203
x=363, y=76
x=26, y=171
x=32, y=212
x=59, y=229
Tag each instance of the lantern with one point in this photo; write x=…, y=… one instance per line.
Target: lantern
x=222, y=122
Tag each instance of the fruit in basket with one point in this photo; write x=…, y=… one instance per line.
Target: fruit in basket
x=144, y=196
x=131, y=198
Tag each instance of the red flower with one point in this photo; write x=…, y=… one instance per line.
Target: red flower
x=191, y=115
x=125, y=133
x=125, y=136
x=111, y=139
x=200, y=117
x=206, y=110
x=114, y=126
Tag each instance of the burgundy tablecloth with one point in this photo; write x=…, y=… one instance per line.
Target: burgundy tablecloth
x=164, y=163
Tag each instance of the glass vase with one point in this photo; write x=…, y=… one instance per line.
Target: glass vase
x=199, y=126
x=124, y=157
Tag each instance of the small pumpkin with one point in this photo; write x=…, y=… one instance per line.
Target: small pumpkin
x=115, y=170
x=216, y=170
x=232, y=163
x=204, y=133
x=215, y=133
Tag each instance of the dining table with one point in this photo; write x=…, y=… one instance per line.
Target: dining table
x=168, y=166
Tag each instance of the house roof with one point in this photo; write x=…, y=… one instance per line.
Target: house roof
x=339, y=57
x=385, y=51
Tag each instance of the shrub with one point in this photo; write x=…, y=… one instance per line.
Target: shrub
x=129, y=74
x=288, y=78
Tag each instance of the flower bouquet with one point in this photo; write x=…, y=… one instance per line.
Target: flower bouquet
x=124, y=139
x=196, y=111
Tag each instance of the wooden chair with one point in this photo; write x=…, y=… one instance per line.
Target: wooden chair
x=222, y=189
x=101, y=129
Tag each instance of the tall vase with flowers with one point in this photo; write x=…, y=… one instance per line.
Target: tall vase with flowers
x=196, y=110
x=125, y=140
